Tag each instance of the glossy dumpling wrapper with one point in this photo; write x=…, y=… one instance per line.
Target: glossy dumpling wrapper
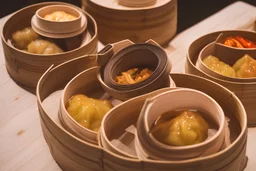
x=218, y=66
x=59, y=16
x=22, y=38
x=245, y=67
x=88, y=112
x=43, y=47
x=188, y=128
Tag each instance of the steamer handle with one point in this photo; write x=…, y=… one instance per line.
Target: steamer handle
x=104, y=55
x=109, y=50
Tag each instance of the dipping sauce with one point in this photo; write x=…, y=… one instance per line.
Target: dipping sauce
x=59, y=16
x=187, y=128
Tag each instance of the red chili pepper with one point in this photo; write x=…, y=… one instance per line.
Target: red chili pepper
x=246, y=43
x=239, y=42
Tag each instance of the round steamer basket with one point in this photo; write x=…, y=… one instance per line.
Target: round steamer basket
x=142, y=55
x=26, y=68
x=175, y=100
x=72, y=153
x=245, y=91
x=157, y=22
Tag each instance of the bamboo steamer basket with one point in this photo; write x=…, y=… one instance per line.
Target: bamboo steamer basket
x=72, y=153
x=26, y=68
x=244, y=90
x=182, y=98
x=117, y=22
x=58, y=29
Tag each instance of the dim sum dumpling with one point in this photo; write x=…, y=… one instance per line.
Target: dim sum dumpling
x=218, y=66
x=245, y=67
x=23, y=37
x=59, y=16
x=186, y=129
x=43, y=47
x=88, y=111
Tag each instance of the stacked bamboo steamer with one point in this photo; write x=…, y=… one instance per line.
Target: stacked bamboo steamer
x=72, y=152
x=244, y=88
x=134, y=20
x=26, y=68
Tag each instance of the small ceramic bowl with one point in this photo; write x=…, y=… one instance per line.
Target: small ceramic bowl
x=143, y=55
x=149, y=147
x=58, y=29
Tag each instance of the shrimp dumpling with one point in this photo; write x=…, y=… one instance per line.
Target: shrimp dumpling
x=188, y=128
x=23, y=37
x=88, y=112
x=218, y=66
x=43, y=47
x=245, y=67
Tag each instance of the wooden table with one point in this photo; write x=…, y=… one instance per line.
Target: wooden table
x=22, y=146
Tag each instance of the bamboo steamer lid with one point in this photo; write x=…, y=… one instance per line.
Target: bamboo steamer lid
x=244, y=90
x=72, y=153
x=27, y=68
x=117, y=22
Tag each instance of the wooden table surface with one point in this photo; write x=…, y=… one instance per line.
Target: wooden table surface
x=22, y=145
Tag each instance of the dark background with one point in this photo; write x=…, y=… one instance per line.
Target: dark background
x=189, y=11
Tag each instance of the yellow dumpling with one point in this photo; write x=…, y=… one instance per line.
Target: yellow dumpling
x=59, y=16
x=186, y=129
x=43, y=47
x=88, y=111
x=245, y=67
x=218, y=66
x=23, y=37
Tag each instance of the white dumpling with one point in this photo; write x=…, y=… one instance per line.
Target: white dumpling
x=43, y=47
x=23, y=37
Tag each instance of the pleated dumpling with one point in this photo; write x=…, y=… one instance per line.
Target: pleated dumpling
x=43, y=47
x=22, y=38
x=245, y=67
x=188, y=128
x=88, y=111
x=218, y=66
